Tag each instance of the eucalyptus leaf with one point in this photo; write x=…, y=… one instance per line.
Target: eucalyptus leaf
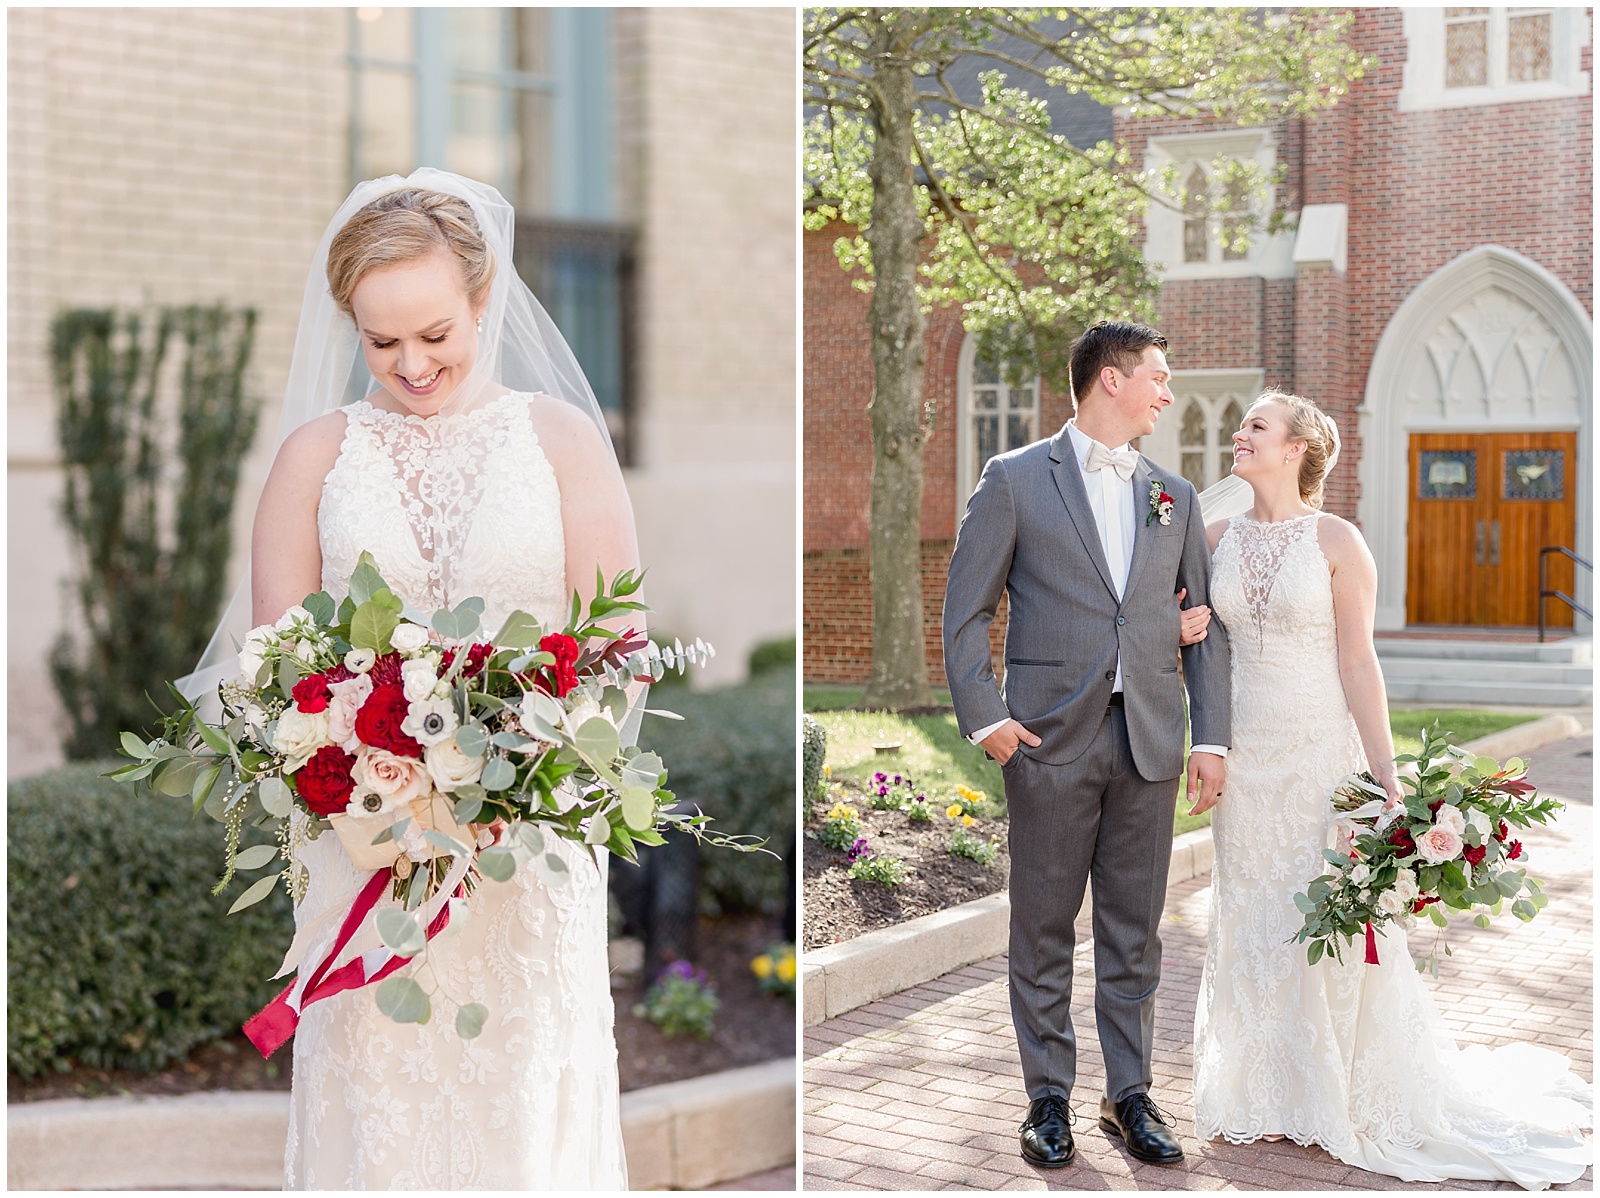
x=530, y=836
x=445, y=844
x=398, y=828
x=512, y=740
x=321, y=607
x=178, y=780
x=371, y=627
x=400, y=932
x=365, y=581
x=134, y=747
x=498, y=774
x=258, y=890
x=255, y=856
x=468, y=809
x=599, y=830
x=638, y=807
x=498, y=863
x=472, y=740
x=555, y=864
x=520, y=631
x=403, y=1000
x=597, y=740
x=276, y=797
x=470, y=1020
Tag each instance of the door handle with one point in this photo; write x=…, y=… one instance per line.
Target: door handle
x=1478, y=542
x=1494, y=542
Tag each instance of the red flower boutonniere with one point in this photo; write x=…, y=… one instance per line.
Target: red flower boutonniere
x=1160, y=504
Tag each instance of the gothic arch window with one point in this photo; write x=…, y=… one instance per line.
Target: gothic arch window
x=1462, y=56
x=1192, y=442
x=999, y=411
x=1232, y=418
x=1194, y=437
x=1196, y=235
x=1197, y=230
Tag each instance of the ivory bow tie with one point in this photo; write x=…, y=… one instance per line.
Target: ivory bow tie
x=1122, y=461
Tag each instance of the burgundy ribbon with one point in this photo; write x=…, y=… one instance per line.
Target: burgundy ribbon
x=270, y=1027
x=1372, y=945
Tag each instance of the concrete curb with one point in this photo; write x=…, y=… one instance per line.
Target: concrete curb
x=681, y=1135
x=841, y=977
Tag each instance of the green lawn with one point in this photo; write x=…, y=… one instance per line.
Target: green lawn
x=935, y=753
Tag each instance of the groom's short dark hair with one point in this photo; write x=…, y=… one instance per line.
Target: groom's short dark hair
x=1118, y=343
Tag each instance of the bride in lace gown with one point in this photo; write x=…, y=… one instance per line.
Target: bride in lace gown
x=1352, y=1057
x=459, y=485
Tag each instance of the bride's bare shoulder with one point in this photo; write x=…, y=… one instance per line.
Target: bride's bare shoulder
x=308, y=453
x=1214, y=532
x=1341, y=542
x=570, y=439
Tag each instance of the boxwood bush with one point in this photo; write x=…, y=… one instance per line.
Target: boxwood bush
x=117, y=954
x=733, y=757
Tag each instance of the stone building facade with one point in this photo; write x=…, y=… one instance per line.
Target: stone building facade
x=195, y=155
x=1433, y=293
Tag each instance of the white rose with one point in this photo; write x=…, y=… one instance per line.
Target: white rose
x=348, y=696
x=299, y=735
x=408, y=638
x=531, y=703
x=430, y=721
x=261, y=636
x=1405, y=885
x=1479, y=822
x=1391, y=903
x=449, y=767
x=255, y=716
x=359, y=661
x=1360, y=874
x=584, y=712
x=1450, y=817
x=1438, y=845
x=1364, y=896
x=419, y=679
x=295, y=615
x=250, y=663
x=387, y=777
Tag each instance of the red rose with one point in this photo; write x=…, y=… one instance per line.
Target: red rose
x=1418, y=906
x=1514, y=851
x=1475, y=856
x=564, y=649
x=1401, y=838
x=325, y=782
x=311, y=694
x=1165, y=498
x=1502, y=832
x=476, y=656
x=1434, y=806
x=386, y=670
x=378, y=722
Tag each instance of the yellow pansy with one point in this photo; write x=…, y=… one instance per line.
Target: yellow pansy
x=762, y=966
x=786, y=969
x=967, y=821
x=953, y=810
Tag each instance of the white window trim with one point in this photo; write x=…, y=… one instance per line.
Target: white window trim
x=1270, y=257
x=1423, y=86
x=1209, y=386
x=966, y=471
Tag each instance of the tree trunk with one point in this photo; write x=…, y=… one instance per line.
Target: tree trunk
x=899, y=666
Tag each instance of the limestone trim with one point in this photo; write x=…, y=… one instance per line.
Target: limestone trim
x=1270, y=256
x=1423, y=86
x=1416, y=345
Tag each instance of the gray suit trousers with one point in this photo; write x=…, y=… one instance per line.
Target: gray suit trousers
x=1095, y=817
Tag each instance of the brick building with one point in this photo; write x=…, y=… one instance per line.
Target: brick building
x=194, y=155
x=1434, y=295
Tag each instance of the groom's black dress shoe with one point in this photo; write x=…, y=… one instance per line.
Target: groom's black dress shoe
x=1144, y=1128
x=1046, y=1133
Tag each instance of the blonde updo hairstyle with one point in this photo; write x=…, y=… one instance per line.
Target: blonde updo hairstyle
x=403, y=226
x=1316, y=428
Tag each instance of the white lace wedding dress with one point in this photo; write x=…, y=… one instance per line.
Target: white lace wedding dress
x=1353, y=1057
x=453, y=507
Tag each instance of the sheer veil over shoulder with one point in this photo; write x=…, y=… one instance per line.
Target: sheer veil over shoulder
x=457, y=504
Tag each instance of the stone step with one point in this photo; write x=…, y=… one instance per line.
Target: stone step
x=1573, y=651
x=1543, y=673
x=1453, y=692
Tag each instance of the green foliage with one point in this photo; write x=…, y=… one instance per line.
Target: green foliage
x=840, y=828
x=773, y=655
x=1032, y=236
x=776, y=969
x=681, y=1002
x=918, y=812
x=153, y=533
x=813, y=755
x=116, y=955
x=963, y=843
x=881, y=868
x=732, y=755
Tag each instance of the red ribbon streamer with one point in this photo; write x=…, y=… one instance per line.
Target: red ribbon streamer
x=1372, y=945
x=270, y=1027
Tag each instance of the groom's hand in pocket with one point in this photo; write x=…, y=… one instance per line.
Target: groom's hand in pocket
x=1207, y=772
x=1003, y=741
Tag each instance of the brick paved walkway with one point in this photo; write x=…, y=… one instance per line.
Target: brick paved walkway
x=922, y=1090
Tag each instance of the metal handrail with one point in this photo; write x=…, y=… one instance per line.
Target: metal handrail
x=1546, y=593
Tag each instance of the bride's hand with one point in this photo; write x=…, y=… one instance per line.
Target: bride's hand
x=1389, y=779
x=1192, y=622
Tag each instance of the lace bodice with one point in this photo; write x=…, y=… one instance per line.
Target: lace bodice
x=450, y=507
x=1350, y=1056
x=453, y=508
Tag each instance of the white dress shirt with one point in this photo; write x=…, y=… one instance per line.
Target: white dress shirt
x=1111, y=501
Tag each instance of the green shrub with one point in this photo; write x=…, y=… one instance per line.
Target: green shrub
x=773, y=655
x=732, y=755
x=813, y=755
x=117, y=955
x=681, y=1002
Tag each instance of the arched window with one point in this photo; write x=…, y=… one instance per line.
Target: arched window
x=1232, y=418
x=1192, y=442
x=1194, y=437
x=1195, y=234
x=997, y=415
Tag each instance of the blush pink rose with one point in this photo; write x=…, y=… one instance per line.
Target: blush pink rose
x=394, y=779
x=1438, y=845
x=347, y=698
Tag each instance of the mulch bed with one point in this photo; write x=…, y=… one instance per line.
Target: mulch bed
x=750, y=1027
x=839, y=908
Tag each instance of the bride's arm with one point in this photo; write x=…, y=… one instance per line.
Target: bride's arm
x=1355, y=596
x=285, y=557
x=596, y=513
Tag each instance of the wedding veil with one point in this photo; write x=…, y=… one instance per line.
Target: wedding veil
x=519, y=347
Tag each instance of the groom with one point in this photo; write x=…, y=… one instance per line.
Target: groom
x=1092, y=542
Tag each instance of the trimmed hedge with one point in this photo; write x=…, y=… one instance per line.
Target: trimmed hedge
x=117, y=954
x=733, y=757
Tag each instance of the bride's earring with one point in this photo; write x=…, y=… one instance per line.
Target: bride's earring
x=480, y=329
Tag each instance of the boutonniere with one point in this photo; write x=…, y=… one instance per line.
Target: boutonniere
x=1160, y=504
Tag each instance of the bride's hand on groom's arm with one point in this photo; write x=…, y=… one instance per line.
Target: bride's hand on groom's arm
x=1003, y=741
x=1192, y=622
x=1207, y=772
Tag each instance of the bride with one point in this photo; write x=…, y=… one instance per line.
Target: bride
x=1353, y=1057
x=478, y=465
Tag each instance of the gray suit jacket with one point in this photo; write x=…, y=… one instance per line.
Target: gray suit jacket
x=1029, y=532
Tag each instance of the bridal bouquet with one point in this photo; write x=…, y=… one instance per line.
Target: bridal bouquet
x=436, y=756
x=1447, y=846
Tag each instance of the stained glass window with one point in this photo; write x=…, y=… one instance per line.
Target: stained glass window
x=1232, y=418
x=1192, y=440
x=1195, y=236
x=1528, y=46
x=1535, y=474
x=1447, y=474
x=1237, y=221
x=1466, y=47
